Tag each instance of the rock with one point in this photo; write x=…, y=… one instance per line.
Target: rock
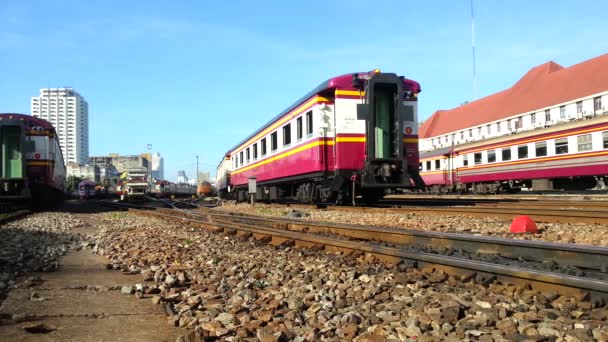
x=225, y=318
x=156, y=299
x=170, y=280
x=127, y=290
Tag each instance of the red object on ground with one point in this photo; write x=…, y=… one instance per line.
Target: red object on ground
x=523, y=224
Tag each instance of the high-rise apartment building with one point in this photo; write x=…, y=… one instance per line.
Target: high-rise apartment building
x=158, y=166
x=68, y=111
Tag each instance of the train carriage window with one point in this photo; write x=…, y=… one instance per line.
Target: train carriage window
x=437, y=164
x=309, y=123
x=605, y=139
x=491, y=156
x=428, y=165
x=541, y=149
x=477, y=158
x=273, y=141
x=584, y=142
x=465, y=160
x=263, y=148
x=248, y=154
x=241, y=158
x=287, y=135
x=506, y=154
x=522, y=151
x=255, y=151
x=561, y=146
x=299, y=128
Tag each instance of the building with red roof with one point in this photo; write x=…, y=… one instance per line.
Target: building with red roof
x=546, y=95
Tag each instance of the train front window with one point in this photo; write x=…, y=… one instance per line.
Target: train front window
x=561, y=146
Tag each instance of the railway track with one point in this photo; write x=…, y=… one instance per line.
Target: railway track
x=14, y=215
x=566, y=269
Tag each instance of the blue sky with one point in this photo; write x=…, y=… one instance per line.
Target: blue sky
x=196, y=77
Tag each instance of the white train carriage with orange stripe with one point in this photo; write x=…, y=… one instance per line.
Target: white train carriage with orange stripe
x=353, y=135
x=569, y=156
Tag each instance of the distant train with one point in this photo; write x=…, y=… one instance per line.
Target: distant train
x=567, y=156
x=353, y=135
x=205, y=189
x=86, y=189
x=31, y=167
x=168, y=189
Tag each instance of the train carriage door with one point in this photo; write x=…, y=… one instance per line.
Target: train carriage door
x=384, y=116
x=12, y=159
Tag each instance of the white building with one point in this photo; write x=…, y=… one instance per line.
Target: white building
x=68, y=112
x=158, y=166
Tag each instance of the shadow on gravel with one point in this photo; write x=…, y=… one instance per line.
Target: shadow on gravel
x=76, y=206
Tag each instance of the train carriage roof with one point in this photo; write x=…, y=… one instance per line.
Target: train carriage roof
x=24, y=117
x=338, y=82
x=440, y=152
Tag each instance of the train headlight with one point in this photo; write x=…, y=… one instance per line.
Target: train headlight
x=408, y=130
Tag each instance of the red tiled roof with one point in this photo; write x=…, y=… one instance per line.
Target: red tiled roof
x=543, y=86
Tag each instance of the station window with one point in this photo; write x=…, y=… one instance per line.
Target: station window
x=263, y=146
x=437, y=164
x=506, y=154
x=248, y=154
x=562, y=112
x=584, y=142
x=541, y=149
x=561, y=146
x=428, y=164
x=299, y=128
x=579, y=107
x=547, y=115
x=491, y=156
x=522, y=151
x=597, y=103
x=498, y=127
x=533, y=118
x=309, y=123
x=255, y=151
x=477, y=158
x=241, y=158
x=287, y=135
x=273, y=141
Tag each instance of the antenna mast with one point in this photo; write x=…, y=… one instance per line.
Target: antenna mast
x=473, y=47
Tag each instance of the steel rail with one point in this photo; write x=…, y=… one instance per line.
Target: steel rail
x=464, y=268
x=582, y=256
